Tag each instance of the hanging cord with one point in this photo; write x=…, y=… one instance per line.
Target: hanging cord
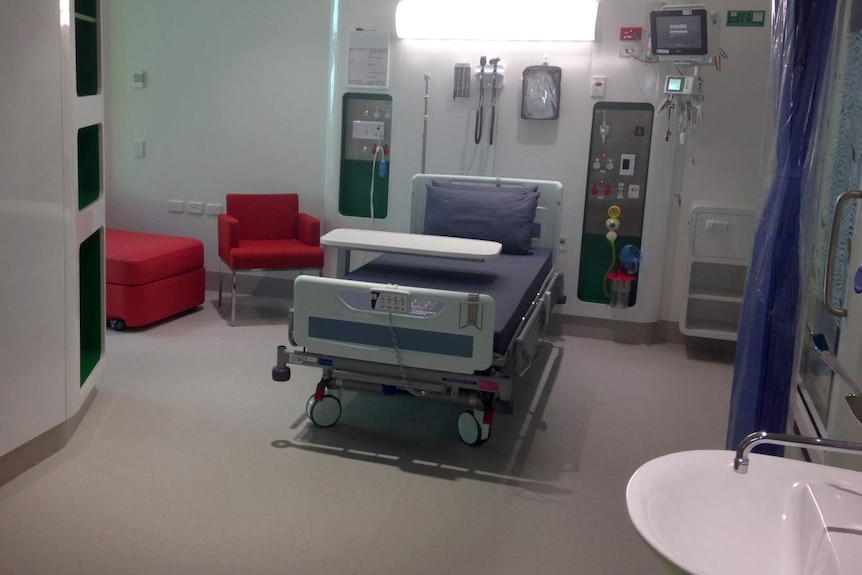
x=719, y=59
x=400, y=358
x=683, y=121
x=610, y=269
x=494, y=61
x=377, y=148
x=480, y=111
x=425, y=122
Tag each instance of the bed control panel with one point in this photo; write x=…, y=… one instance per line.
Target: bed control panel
x=392, y=300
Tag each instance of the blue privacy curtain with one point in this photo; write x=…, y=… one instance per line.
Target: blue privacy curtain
x=760, y=400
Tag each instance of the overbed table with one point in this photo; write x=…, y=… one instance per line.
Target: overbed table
x=346, y=239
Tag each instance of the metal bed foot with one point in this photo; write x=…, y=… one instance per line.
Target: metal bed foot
x=281, y=371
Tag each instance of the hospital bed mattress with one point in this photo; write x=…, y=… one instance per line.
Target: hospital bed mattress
x=512, y=280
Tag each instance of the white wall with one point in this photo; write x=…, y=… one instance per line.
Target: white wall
x=732, y=150
x=727, y=149
x=238, y=100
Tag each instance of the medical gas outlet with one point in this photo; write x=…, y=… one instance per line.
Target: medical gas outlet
x=613, y=223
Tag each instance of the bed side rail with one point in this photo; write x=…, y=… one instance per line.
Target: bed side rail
x=432, y=329
x=525, y=346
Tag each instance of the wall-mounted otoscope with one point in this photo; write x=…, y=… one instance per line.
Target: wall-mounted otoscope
x=496, y=74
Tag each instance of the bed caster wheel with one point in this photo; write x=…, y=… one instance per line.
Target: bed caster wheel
x=325, y=412
x=117, y=324
x=470, y=430
x=281, y=373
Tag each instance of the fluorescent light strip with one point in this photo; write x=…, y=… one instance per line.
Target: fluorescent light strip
x=541, y=20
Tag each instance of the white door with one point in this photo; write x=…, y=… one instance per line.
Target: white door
x=835, y=310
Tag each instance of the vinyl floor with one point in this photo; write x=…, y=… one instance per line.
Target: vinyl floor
x=192, y=460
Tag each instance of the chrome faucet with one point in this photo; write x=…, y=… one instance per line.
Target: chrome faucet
x=740, y=462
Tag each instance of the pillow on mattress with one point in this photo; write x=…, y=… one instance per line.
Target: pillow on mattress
x=495, y=215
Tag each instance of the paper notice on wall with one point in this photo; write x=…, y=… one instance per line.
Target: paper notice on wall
x=368, y=60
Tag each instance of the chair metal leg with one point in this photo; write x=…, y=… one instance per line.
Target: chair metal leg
x=233, y=299
x=219, y=282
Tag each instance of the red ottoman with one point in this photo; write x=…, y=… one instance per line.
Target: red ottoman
x=151, y=277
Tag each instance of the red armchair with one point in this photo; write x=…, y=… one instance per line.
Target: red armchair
x=266, y=232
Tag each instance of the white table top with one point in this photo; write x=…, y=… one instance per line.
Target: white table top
x=419, y=244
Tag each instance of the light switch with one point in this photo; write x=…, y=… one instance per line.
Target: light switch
x=597, y=86
x=140, y=148
x=138, y=78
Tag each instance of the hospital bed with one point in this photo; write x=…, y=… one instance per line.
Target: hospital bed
x=433, y=316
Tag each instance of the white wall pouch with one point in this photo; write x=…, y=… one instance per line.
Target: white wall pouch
x=540, y=92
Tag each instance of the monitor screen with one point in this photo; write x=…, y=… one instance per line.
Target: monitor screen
x=674, y=84
x=679, y=32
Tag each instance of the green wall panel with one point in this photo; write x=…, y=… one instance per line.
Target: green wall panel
x=357, y=164
x=595, y=261
x=91, y=285
x=89, y=165
x=87, y=47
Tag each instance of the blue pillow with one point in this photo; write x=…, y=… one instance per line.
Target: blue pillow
x=495, y=215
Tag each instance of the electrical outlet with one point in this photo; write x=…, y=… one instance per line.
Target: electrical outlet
x=176, y=206
x=195, y=207
x=627, y=51
x=367, y=130
x=140, y=149
x=214, y=209
x=391, y=300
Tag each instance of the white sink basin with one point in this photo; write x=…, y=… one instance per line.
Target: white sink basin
x=783, y=517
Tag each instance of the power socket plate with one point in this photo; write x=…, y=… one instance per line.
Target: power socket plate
x=390, y=300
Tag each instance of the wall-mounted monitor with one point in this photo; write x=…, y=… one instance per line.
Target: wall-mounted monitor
x=679, y=33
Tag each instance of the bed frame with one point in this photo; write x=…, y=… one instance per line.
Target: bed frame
x=335, y=326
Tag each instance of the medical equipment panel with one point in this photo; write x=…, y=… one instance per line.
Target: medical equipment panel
x=365, y=152
x=682, y=85
x=615, y=194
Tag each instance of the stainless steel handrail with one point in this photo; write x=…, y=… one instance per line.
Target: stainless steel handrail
x=833, y=246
